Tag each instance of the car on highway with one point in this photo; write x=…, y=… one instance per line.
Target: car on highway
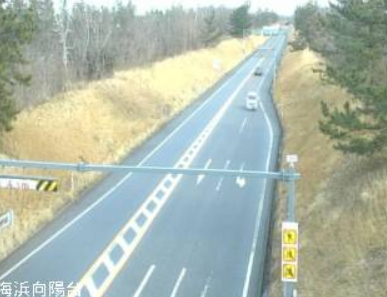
x=252, y=101
x=258, y=71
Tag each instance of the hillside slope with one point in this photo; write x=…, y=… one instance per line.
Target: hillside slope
x=341, y=200
x=101, y=123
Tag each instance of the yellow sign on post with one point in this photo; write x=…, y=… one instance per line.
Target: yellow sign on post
x=289, y=251
x=289, y=237
x=289, y=254
x=289, y=272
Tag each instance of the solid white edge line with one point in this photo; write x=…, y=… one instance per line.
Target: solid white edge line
x=144, y=281
x=124, y=179
x=260, y=208
x=178, y=283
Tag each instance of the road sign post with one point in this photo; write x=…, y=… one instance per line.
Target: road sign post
x=289, y=246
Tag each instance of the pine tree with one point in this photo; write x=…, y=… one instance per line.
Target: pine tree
x=305, y=19
x=240, y=20
x=16, y=27
x=358, y=63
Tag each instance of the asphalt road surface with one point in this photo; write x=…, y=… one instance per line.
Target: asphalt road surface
x=155, y=236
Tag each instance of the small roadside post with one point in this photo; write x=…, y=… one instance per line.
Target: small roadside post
x=6, y=219
x=289, y=251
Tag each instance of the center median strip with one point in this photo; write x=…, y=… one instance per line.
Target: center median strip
x=131, y=234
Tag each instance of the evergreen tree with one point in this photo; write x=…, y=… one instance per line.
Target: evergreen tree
x=16, y=27
x=240, y=20
x=357, y=63
x=305, y=18
x=308, y=21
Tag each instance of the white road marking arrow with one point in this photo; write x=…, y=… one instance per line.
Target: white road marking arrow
x=241, y=181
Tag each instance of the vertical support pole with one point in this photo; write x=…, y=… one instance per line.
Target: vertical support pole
x=290, y=217
x=72, y=182
x=291, y=196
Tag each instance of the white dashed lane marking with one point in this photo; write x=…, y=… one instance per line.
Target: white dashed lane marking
x=144, y=281
x=202, y=176
x=178, y=282
x=220, y=183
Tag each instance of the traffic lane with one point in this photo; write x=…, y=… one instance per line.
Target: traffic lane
x=190, y=233
x=62, y=245
x=218, y=287
x=117, y=286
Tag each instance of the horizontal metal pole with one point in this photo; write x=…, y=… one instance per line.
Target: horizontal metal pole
x=27, y=177
x=84, y=167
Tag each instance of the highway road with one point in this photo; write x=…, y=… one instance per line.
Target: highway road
x=155, y=236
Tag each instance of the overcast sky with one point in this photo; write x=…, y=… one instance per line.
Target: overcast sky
x=283, y=7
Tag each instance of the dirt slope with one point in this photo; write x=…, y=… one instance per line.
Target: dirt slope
x=341, y=200
x=101, y=123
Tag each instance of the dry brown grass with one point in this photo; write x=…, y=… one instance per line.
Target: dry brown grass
x=341, y=201
x=102, y=123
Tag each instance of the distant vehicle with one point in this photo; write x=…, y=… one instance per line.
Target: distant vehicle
x=252, y=101
x=258, y=71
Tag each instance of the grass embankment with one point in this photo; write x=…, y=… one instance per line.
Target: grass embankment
x=101, y=123
x=341, y=200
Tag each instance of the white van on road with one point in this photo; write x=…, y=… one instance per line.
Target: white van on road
x=252, y=101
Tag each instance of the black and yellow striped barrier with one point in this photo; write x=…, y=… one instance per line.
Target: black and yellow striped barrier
x=47, y=186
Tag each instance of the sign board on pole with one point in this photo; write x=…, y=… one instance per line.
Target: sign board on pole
x=29, y=183
x=6, y=220
x=291, y=159
x=216, y=64
x=289, y=252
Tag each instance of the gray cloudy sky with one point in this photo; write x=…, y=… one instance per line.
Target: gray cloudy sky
x=284, y=7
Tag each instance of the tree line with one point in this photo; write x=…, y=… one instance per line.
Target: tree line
x=58, y=47
x=352, y=37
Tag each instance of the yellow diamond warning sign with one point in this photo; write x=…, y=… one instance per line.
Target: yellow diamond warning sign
x=289, y=233
x=289, y=254
x=289, y=272
x=289, y=237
